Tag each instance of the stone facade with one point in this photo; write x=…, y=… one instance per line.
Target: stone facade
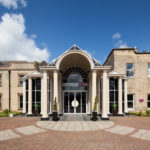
x=12, y=69
x=115, y=66
x=139, y=85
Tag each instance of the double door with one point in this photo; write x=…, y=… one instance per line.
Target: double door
x=79, y=97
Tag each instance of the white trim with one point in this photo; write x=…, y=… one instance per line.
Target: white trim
x=84, y=54
x=131, y=109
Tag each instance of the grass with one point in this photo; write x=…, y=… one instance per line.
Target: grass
x=6, y=113
x=144, y=114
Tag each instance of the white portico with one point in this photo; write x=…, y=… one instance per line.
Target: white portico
x=74, y=76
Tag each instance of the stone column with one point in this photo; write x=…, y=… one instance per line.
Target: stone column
x=55, y=83
x=30, y=98
x=94, y=74
x=24, y=96
x=125, y=97
x=45, y=97
x=108, y=103
x=89, y=96
x=98, y=97
x=120, y=96
x=42, y=96
x=104, y=99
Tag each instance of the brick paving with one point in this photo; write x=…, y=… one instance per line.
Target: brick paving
x=64, y=140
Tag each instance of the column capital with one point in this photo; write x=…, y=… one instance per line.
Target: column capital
x=94, y=71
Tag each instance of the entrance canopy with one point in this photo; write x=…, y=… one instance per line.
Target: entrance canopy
x=75, y=57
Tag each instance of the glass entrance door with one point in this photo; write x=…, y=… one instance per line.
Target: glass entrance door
x=69, y=97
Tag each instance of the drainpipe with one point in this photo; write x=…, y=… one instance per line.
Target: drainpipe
x=9, y=92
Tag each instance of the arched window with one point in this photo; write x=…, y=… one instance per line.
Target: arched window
x=75, y=78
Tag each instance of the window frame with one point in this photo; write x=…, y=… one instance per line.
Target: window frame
x=1, y=79
x=20, y=85
x=131, y=101
x=1, y=101
x=148, y=70
x=20, y=94
x=129, y=70
x=148, y=100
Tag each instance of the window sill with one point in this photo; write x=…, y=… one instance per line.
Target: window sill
x=130, y=77
x=20, y=85
x=131, y=109
x=20, y=108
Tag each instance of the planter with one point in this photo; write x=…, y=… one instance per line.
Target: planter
x=94, y=116
x=35, y=112
x=55, y=116
x=115, y=112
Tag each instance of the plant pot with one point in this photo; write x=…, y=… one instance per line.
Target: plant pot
x=55, y=116
x=36, y=112
x=94, y=116
x=114, y=112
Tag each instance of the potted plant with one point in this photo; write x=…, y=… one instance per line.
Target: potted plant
x=114, y=109
x=36, y=109
x=94, y=112
x=55, y=113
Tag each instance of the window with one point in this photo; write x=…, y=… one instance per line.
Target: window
x=21, y=80
x=130, y=70
x=113, y=93
x=36, y=93
x=20, y=102
x=0, y=101
x=0, y=80
x=130, y=101
x=148, y=70
x=148, y=101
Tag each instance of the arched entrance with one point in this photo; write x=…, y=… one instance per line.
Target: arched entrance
x=74, y=67
x=75, y=90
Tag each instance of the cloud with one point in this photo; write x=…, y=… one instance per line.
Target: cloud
x=13, y=3
x=116, y=36
x=121, y=44
x=118, y=42
x=15, y=44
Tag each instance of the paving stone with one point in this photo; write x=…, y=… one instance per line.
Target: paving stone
x=28, y=130
x=8, y=134
x=123, y=130
x=142, y=134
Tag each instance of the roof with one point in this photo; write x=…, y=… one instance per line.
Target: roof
x=8, y=63
x=135, y=50
x=75, y=48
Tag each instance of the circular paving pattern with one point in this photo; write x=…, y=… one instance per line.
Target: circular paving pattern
x=75, y=125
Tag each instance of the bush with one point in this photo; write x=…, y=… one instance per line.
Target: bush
x=147, y=112
x=95, y=104
x=16, y=113
x=2, y=114
x=6, y=111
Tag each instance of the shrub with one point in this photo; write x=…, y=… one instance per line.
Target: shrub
x=147, y=112
x=55, y=105
x=2, y=114
x=6, y=111
x=16, y=113
x=95, y=104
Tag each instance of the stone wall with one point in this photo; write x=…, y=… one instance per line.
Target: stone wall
x=139, y=85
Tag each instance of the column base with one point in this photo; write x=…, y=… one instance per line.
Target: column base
x=44, y=119
x=23, y=114
x=29, y=115
x=120, y=115
x=127, y=114
x=104, y=118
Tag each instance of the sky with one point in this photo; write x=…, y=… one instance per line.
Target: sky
x=44, y=29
